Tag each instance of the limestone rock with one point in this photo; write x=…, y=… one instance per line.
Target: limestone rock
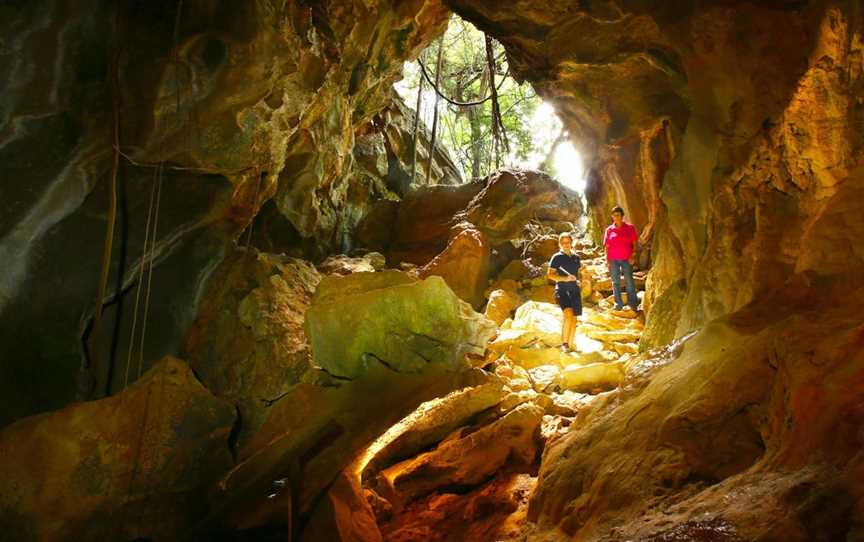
x=495, y=510
x=518, y=270
x=146, y=454
x=314, y=432
x=542, y=294
x=545, y=377
x=248, y=344
x=241, y=104
x=586, y=378
x=464, y=265
x=469, y=459
x=501, y=305
x=609, y=336
x=690, y=441
x=419, y=227
x=430, y=423
x=542, y=249
x=345, y=265
x=388, y=318
x=513, y=197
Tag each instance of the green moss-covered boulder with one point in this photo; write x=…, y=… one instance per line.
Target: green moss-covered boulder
x=392, y=319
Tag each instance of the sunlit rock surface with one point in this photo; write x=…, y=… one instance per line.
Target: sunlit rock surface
x=731, y=132
x=314, y=432
x=729, y=428
x=463, y=264
x=133, y=465
x=392, y=319
x=466, y=460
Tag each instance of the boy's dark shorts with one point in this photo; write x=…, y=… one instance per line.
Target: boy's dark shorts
x=570, y=298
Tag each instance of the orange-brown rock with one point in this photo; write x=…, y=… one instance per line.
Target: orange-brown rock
x=511, y=198
x=345, y=265
x=541, y=249
x=502, y=304
x=134, y=465
x=494, y=511
x=419, y=227
x=466, y=457
x=248, y=344
x=463, y=264
x=314, y=432
x=744, y=410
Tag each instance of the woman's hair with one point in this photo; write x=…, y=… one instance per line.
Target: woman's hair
x=563, y=235
x=617, y=209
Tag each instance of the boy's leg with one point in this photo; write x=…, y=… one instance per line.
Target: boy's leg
x=567, y=326
x=577, y=314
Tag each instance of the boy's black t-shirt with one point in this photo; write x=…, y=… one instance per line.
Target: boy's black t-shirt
x=561, y=262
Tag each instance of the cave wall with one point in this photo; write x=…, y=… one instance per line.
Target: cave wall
x=220, y=107
x=731, y=132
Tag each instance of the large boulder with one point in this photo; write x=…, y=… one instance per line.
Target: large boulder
x=248, y=344
x=392, y=319
x=418, y=227
x=514, y=197
x=464, y=265
x=135, y=465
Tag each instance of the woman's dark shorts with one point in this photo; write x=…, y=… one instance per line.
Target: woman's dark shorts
x=569, y=298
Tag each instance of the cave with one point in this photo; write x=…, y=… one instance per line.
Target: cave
x=330, y=347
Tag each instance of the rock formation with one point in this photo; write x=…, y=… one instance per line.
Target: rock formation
x=223, y=108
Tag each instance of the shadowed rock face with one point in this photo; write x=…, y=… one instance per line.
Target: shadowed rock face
x=242, y=103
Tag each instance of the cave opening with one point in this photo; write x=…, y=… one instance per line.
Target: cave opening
x=459, y=100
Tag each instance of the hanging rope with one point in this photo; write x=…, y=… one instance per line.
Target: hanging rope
x=438, y=66
x=151, y=261
x=499, y=134
x=140, y=279
x=416, y=129
x=150, y=238
x=95, y=365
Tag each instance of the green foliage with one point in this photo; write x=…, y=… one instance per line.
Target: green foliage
x=466, y=131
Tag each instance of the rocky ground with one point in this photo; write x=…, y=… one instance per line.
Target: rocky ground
x=465, y=466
